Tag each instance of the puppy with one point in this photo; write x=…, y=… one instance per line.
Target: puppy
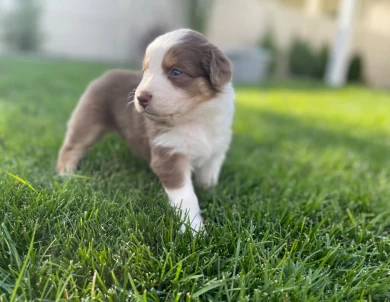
x=179, y=120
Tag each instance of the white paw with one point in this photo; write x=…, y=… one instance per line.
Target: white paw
x=186, y=203
x=184, y=200
x=196, y=225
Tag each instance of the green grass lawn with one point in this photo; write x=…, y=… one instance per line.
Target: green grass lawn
x=301, y=212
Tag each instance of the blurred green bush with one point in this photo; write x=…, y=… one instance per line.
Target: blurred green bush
x=305, y=61
x=355, y=70
x=21, y=27
x=268, y=43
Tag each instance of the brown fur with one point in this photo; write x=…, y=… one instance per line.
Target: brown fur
x=145, y=64
x=105, y=107
x=205, y=68
x=170, y=168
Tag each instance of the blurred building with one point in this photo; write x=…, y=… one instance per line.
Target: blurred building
x=111, y=30
x=242, y=23
x=118, y=30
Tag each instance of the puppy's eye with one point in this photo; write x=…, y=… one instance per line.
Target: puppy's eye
x=175, y=72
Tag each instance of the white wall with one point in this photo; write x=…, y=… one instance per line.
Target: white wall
x=104, y=29
x=243, y=24
x=377, y=17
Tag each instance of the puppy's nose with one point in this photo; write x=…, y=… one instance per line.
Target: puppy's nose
x=144, y=98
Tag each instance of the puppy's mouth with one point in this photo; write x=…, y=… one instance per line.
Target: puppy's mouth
x=157, y=117
x=153, y=115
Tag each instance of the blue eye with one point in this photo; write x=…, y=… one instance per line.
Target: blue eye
x=175, y=73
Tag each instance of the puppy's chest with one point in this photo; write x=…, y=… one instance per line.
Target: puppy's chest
x=197, y=142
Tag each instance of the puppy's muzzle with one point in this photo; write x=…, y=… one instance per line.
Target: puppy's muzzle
x=144, y=98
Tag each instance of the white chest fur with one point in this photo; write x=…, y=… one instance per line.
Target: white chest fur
x=206, y=134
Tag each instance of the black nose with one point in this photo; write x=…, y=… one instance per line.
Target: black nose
x=144, y=98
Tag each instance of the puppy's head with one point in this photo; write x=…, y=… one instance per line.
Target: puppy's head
x=181, y=70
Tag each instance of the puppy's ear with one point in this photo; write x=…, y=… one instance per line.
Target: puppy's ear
x=220, y=69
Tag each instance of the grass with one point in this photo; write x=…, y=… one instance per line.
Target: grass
x=301, y=212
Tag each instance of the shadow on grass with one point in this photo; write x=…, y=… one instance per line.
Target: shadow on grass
x=296, y=130
x=287, y=152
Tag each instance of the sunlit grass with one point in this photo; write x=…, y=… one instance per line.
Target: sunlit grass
x=301, y=212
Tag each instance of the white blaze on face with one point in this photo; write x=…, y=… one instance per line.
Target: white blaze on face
x=167, y=100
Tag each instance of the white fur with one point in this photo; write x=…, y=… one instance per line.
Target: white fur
x=206, y=132
x=167, y=99
x=205, y=138
x=186, y=202
x=207, y=175
x=203, y=134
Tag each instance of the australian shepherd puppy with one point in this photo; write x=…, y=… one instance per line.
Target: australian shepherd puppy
x=178, y=118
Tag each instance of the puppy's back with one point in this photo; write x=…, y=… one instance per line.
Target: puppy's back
x=114, y=87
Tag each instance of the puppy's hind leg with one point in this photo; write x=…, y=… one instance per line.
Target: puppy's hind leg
x=85, y=127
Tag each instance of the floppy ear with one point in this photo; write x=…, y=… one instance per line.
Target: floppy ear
x=220, y=69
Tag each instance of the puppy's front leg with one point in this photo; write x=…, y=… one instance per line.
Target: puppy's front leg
x=174, y=172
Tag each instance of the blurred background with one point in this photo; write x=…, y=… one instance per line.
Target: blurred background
x=264, y=38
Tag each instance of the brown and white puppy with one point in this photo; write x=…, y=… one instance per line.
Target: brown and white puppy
x=180, y=119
